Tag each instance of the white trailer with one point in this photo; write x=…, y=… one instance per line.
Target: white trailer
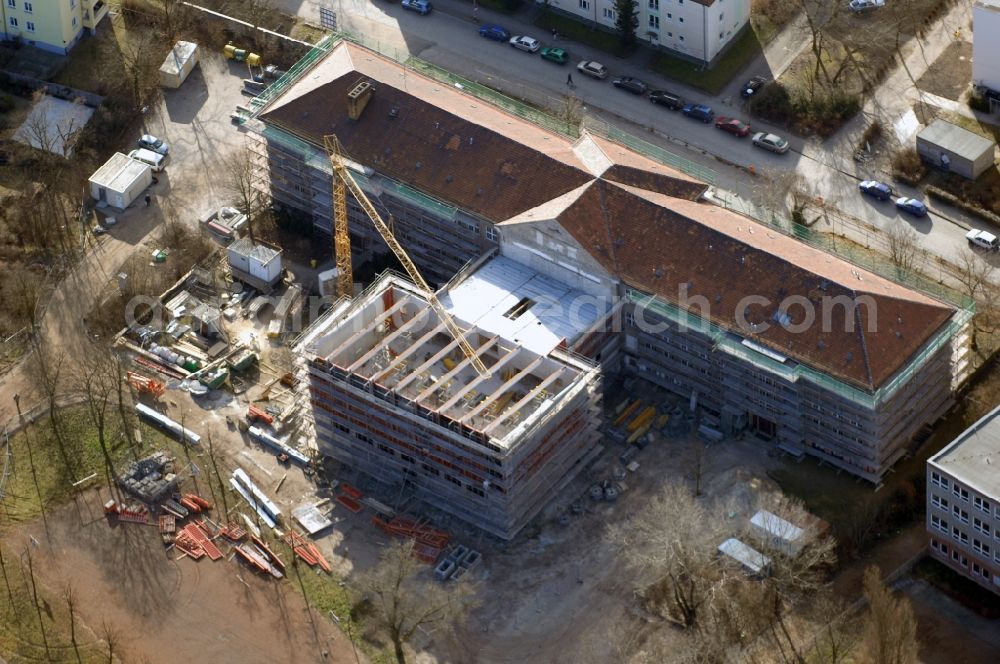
x=120, y=181
x=749, y=558
x=178, y=64
x=776, y=533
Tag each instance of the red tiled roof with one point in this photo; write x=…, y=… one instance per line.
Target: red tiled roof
x=674, y=248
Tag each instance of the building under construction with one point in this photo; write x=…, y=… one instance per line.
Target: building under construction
x=611, y=249
x=395, y=397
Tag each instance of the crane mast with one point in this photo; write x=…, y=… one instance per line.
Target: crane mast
x=342, y=180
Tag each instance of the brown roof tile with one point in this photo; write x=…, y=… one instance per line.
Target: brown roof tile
x=705, y=252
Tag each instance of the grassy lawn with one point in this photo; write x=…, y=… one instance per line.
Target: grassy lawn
x=744, y=50
x=581, y=32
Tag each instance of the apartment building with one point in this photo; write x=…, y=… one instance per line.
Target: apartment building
x=699, y=30
x=761, y=332
x=963, y=503
x=51, y=25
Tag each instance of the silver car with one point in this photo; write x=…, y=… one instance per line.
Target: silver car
x=771, y=142
x=525, y=43
x=592, y=68
x=150, y=142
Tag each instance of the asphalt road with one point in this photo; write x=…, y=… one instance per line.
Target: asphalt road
x=449, y=38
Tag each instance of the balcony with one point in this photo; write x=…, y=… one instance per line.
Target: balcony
x=94, y=12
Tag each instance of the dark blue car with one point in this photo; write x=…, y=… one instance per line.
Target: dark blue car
x=699, y=112
x=911, y=205
x=879, y=190
x=494, y=32
x=422, y=7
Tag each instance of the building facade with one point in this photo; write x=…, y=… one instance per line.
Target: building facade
x=699, y=30
x=51, y=25
x=761, y=332
x=985, y=48
x=963, y=503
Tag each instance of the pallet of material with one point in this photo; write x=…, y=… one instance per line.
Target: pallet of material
x=168, y=523
x=319, y=558
x=198, y=500
x=234, y=532
x=175, y=508
x=188, y=545
x=349, y=503
x=191, y=506
x=133, y=515
x=266, y=550
x=407, y=528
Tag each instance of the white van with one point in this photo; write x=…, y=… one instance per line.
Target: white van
x=148, y=157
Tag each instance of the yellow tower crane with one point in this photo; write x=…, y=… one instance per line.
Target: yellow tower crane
x=343, y=180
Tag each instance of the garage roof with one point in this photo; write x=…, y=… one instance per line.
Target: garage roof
x=953, y=138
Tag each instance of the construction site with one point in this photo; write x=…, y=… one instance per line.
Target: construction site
x=394, y=396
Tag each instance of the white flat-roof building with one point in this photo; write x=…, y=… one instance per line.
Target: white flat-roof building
x=120, y=181
x=255, y=263
x=777, y=533
x=963, y=502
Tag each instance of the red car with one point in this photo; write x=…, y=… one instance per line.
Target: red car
x=733, y=126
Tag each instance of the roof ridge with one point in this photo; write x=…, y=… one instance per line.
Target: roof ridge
x=864, y=341
x=607, y=225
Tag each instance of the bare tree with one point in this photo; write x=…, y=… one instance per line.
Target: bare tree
x=570, y=111
x=890, y=630
x=243, y=182
x=404, y=603
x=69, y=594
x=671, y=543
x=904, y=250
x=112, y=638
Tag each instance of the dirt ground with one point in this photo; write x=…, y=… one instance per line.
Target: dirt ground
x=169, y=610
x=949, y=76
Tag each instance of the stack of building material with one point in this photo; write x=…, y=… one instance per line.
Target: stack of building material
x=306, y=551
x=430, y=541
x=195, y=533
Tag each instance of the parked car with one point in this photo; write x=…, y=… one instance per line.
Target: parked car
x=911, y=205
x=629, y=84
x=556, y=55
x=699, y=112
x=865, y=5
x=751, y=87
x=733, y=126
x=593, y=69
x=150, y=142
x=422, y=7
x=879, y=190
x=525, y=43
x=982, y=239
x=494, y=32
x=771, y=142
x=668, y=99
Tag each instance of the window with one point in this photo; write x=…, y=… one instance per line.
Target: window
x=937, y=480
x=959, y=492
x=681, y=19
x=980, y=526
x=13, y=22
x=681, y=37
x=962, y=515
x=654, y=4
x=939, y=523
x=30, y=26
x=669, y=16
x=981, y=504
x=654, y=21
x=959, y=536
x=74, y=21
x=27, y=8
x=630, y=319
x=492, y=234
x=670, y=34
x=584, y=4
x=980, y=548
x=939, y=502
x=609, y=14
x=72, y=4
x=12, y=4
x=720, y=36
